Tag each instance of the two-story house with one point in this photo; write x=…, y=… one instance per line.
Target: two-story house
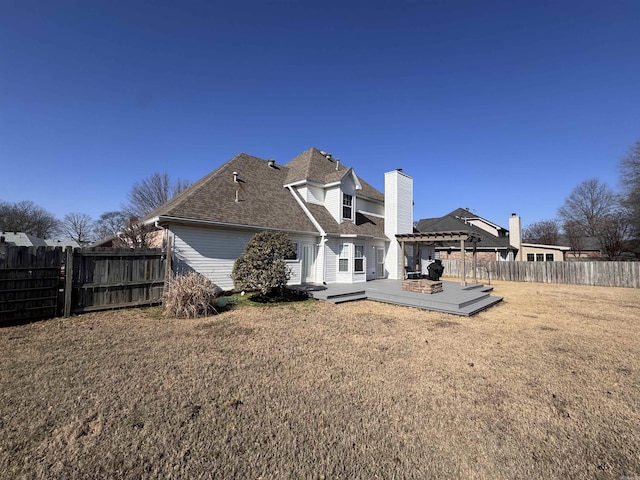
x=343, y=229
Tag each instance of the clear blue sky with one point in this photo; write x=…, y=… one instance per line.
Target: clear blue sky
x=498, y=106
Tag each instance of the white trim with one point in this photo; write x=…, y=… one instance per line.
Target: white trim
x=307, y=212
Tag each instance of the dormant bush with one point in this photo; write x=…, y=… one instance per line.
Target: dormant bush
x=262, y=266
x=189, y=296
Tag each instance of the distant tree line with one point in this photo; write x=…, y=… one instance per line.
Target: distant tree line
x=124, y=225
x=593, y=209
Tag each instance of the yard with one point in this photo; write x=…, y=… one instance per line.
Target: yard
x=544, y=385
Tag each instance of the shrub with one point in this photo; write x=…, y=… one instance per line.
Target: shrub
x=189, y=296
x=262, y=267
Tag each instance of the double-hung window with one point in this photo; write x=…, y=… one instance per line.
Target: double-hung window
x=358, y=259
x=347, y=206
x=343, y=258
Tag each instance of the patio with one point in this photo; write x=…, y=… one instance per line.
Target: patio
x=455, y=298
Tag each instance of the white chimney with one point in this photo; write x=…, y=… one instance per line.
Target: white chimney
x=398, y=217
x=515, y=234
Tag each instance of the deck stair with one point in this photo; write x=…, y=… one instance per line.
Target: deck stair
x=455, y=298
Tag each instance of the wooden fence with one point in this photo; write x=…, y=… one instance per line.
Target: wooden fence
x=34, y=284
x=106, y=278
x=29, y=282
x=607, y=274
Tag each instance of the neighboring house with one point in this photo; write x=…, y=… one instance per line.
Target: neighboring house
x=497, y=243
x=343, y=229
x=589, y=247
x=494, y=244
x=22, y=239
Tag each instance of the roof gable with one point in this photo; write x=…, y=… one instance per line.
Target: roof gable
x=314, y=166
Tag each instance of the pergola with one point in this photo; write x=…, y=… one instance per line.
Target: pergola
x=431, y=238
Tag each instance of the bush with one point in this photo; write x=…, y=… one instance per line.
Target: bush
x=190, y=296
x=262, y=267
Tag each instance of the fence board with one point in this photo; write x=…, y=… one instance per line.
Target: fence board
x=29, y=282
x=608, y=274
x=115, y=278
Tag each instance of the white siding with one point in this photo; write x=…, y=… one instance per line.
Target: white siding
x=370, y=207
x=398, y=208
x=333, y=203
x=212, y=251
x=315, y=195
x=331, y=260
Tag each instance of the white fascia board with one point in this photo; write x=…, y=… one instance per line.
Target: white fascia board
x=307, y=212
x=550, y=247
x=370, y=213
x=300, y=183
x=356, y=180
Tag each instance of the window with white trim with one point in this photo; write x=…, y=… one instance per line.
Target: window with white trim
x=347, y=206
x=294, y=257
x=343, y=258
x=358, y=259
x=549, y=257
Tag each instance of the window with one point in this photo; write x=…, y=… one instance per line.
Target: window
x=293, y=257
x=343, y=258
x=347, y=206
x=358, y=259
x=539, y=257
x=530, y=257
x=549, y=257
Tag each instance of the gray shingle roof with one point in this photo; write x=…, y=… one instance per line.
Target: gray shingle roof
x=259, y=198
x=453, y=221
x=311, y=165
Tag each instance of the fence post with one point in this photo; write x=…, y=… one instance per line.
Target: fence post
x=68, y=281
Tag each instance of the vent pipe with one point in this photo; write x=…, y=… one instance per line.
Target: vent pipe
x=337, y=164
x=235, y=177
x=271, y=162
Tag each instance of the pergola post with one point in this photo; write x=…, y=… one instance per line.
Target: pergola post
x=464, y=264
x=404, y=260
x=474, y=262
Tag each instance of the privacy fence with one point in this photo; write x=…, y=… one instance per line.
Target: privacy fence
x=41, y=282
x=606, y=274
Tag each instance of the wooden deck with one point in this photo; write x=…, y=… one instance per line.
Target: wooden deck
x=455, y=298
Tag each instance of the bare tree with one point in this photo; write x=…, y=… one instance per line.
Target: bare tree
x=575, y=234
x=78, y=227
x=545, y=232
x=630, y=176
x=613, y=231
x=148, y=194
x=109, y=224
x=588, y=204
x=136, y=235
x=29, y=218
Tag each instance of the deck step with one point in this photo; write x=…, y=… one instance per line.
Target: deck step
x=480, y=305
x=347, y=297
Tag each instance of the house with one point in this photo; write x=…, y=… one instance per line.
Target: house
x=21, y=239
x=496, y=243
x=343, y=229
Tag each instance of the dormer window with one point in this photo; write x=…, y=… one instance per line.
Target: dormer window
x=347, y=206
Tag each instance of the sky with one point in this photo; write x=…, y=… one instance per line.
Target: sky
x=497, y=106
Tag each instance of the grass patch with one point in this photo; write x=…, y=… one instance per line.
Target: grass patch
x=544, y=385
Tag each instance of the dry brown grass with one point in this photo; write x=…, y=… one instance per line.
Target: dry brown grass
x=544, y=385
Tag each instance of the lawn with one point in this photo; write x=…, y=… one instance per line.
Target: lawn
x=544, y=385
